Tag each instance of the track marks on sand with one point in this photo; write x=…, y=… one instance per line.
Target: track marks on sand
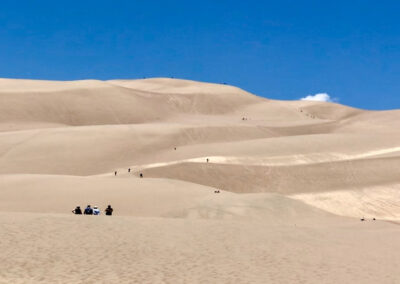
x=374, y=202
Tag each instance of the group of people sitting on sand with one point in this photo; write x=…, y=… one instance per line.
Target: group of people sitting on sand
x=92, y=211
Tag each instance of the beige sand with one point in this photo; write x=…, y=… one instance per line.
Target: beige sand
x=295, y=177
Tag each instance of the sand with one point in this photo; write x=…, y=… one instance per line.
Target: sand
x=294, y=179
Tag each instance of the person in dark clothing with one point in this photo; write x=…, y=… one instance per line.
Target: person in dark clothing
x=77, y=210
x=109, y=210
x=129, y=170
x=88, y=210
x=141, y=175
x=115, y=173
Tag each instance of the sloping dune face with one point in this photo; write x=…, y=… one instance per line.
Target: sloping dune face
x=224, y=137
x=78, y=103
x=211, y=165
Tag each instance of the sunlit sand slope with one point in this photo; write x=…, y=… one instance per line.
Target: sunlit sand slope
x=50, y=248
x=234, y=189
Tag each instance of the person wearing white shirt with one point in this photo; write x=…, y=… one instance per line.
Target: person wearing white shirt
x=96, y=210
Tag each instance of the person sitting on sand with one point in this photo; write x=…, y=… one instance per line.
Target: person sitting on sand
x=77, y=210
x=109, y=210
x=88, y=210
x=96, y=210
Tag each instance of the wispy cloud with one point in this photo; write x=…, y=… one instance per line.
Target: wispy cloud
x=320, y=97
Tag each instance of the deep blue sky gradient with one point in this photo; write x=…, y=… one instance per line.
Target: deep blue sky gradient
x=277, y=49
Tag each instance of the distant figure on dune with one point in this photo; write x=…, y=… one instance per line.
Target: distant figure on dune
x=77, y=210
x=175, y=148
x=141, y=175
x=129, y=170
x=115, y=173
x=207, y=160
x=96, y=210
x=109, y=210
x=88, y=210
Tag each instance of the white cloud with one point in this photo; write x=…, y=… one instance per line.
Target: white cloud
x=320, y=97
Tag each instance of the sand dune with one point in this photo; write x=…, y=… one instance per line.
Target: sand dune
x=294, y=179
x=60, y=248
x=370, y=202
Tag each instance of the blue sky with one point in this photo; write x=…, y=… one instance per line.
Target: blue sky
x=277, y=49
